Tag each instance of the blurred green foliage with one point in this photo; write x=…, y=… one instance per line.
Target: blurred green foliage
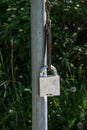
x=69, y=53
x=15, y=75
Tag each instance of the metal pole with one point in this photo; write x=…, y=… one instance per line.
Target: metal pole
x=39, y=105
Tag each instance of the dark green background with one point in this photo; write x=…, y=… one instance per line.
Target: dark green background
x=69, y=56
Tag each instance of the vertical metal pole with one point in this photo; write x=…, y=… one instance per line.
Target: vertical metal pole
x=39, y=105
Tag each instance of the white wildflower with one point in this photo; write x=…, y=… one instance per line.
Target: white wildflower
x=21, y=76
x=20, y=30
x=27, y=90
x=75, y=8
x=80, y=125
x=65, y=28
x=9, y=19
x=29, y=121
x=8, y=9
x=22, y=8
x=11, y=111
x=78, y=5
x=73, y=89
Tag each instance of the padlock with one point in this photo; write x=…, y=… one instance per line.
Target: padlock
x=49, y=85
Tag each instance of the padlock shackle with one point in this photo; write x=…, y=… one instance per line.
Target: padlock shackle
x=53, y=70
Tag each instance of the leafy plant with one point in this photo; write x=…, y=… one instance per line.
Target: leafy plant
x=69, y=52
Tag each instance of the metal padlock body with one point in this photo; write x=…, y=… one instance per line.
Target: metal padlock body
x=49, y=85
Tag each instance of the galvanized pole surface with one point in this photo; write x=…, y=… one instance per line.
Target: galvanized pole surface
x=39, y=105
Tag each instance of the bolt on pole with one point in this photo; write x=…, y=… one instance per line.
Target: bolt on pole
x=39, y=104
